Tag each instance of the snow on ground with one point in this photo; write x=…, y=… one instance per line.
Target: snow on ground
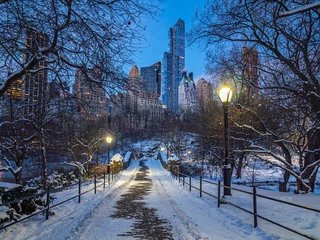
x=305, y=221
x=194, y=218
x=164, y=156
x=127, y=157
x=8, y=185
x=68, y=215
x=117, y=158
x=190, y=216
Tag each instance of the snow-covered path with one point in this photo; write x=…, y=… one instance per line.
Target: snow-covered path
x=180, y=214
x=146, y=203
x=194, y=218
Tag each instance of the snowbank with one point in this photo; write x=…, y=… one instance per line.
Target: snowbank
x=127, y=157
x=7, y=185
x=163, y=157
x=116, y=158
x=173, y=157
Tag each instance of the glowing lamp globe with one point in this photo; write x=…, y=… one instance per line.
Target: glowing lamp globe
x=109, y=139
x=225, y=94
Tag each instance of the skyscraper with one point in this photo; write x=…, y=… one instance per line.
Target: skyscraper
x=35, y=85
x=205, y=92
x=93, y=102
x=250, y=62
x=151, y=78
x=173, y=62
x=188, y=96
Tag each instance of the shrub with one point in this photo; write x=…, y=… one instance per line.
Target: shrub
x=23, y=207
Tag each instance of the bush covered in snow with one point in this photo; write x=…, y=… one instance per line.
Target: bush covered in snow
x=14, y=211
x=55, y=180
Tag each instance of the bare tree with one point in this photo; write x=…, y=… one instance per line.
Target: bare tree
x=80, y=34
x=289, y=75
x=16, y=140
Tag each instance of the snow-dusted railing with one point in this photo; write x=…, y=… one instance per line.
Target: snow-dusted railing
x=177, y=174
x=113, y=176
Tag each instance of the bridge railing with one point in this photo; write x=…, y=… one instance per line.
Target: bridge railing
x=197, y=184
x=107, y=178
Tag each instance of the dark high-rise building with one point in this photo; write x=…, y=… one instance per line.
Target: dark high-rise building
x=250, y=62
x=35, y=85
x=92, y=97
x=173, y=62
x=205, y=92
x=14, y=93
x=151, y=78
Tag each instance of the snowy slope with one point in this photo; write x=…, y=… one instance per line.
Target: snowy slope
x=227, y=222
x=189, y=216
x=70, y=215
x=195, y=218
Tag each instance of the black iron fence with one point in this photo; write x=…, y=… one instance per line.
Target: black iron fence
x=112, y=177
x=187, y=180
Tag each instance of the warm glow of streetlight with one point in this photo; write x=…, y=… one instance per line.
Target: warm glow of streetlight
x=189, y=152
x=109, y=139
x=162, y=149
x=225, y=94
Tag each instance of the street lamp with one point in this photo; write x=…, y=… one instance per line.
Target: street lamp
x=109, y=140
x=189, y=155
x=162, y=149
x=225, y=95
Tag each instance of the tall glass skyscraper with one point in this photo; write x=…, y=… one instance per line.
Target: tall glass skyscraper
x=151, y=78
x=173, y=62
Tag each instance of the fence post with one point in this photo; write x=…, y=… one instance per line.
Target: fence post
x=219, y=182
x=183, y=180
x=255, y=220
x=48, y=199
x=179, y=173
x=104, y=180
x=190, y=183
x=200, y=185
x=95, y=184
x=79, y=197
x=112, y=175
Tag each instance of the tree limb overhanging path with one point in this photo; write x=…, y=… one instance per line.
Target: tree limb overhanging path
x=153, y=206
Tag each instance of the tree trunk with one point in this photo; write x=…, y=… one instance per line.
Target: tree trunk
x=283, y=185
x=18, y=177
x=44, y=159
x=286, y=175
x=311, y=157
x=19, y=162
x=240, y=165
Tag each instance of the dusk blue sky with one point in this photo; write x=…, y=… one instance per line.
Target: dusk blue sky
x=157, y=35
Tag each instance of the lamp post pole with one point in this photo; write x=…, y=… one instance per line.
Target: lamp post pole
x=226, y=167
x=225, y=95
x=108, y=163
x=109, y=140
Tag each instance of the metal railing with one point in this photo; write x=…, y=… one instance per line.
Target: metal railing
x=112, y=177
x=181, y=177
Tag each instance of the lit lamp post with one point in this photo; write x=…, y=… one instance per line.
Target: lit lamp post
x=163, y=149
x=189, y=155
x=225, y=95
x=109, y=140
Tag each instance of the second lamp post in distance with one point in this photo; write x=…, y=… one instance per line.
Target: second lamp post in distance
x=109, y=141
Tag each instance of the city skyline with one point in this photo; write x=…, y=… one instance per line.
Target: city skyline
x=157, y=36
